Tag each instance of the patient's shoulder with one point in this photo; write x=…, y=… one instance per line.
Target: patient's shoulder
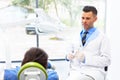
x=11, y=74
x=52, y=74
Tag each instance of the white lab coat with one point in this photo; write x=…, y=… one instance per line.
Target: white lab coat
x=97, y=56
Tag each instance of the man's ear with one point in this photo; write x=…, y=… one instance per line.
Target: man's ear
x=95, y=18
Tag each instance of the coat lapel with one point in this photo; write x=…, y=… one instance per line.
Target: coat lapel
x=92, y=37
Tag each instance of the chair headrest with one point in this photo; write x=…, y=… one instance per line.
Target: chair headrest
x=32, y=71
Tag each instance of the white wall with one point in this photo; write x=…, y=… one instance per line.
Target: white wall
x=113, y=16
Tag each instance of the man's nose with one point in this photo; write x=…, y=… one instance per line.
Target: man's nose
x=84, y=20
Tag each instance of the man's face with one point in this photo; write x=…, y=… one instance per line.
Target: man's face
x=88, y=19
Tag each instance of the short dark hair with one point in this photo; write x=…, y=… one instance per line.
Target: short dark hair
x=36, y=55
x=90, y=8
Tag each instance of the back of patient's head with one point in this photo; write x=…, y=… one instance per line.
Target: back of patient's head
x=36, y=55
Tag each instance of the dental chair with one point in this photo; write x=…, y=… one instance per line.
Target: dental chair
x=32, y=71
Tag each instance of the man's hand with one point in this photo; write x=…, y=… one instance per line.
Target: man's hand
x=70, y=56
x=80, y=56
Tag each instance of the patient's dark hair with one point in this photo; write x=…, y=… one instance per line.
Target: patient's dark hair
x=90, y=8
x=36, y=55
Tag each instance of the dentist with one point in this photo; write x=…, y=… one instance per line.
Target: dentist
x=91, y=61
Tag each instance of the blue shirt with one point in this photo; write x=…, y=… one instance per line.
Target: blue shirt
x=90, y=31
x=11, y=74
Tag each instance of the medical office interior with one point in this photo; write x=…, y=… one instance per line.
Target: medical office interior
x=50, y=24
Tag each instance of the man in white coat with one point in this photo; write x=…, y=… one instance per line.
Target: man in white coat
x=91, y=59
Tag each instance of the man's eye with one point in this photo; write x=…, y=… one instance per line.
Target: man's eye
x=87, y=18
x=83, y=18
